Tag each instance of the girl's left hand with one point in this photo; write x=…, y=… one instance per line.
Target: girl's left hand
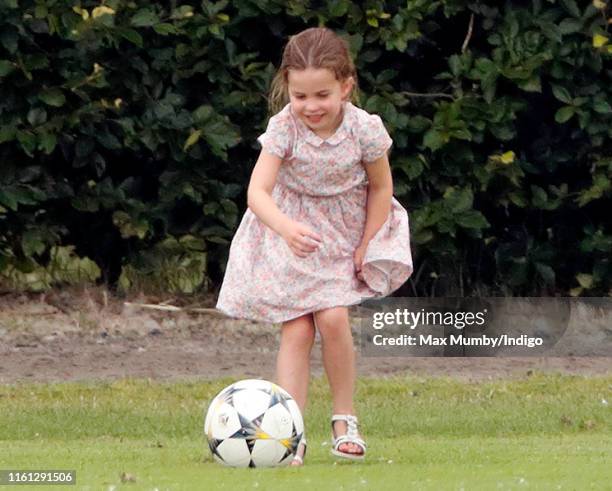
x=358, y=259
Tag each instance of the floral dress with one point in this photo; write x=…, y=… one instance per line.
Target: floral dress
x=323, y=184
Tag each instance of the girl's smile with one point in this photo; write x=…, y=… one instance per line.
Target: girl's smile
x=315, y=119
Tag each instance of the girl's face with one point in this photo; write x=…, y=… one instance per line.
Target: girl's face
x=316, y=98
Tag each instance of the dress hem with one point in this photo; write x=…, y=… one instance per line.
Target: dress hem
x=261, y=319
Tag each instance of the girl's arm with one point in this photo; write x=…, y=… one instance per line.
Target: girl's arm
x=299, y=237
x=380, y=192
x=259, y=193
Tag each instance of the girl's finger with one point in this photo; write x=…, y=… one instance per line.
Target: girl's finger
x=303, y=251
x=310, y=241
x=308, y=245
x=313, y=236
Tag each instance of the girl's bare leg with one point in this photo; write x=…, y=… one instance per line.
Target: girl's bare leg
x=293, y=360
x=339, y=363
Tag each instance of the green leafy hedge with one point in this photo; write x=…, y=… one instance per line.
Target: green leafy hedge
x=128, y=133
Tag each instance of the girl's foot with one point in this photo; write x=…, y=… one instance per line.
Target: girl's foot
x=298, y=458
x=345, y=437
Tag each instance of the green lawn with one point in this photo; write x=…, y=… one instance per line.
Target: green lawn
x=543, y=432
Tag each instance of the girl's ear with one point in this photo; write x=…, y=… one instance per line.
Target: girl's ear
x=347, y=86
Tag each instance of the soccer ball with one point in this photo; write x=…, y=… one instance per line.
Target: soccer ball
x=253, y=423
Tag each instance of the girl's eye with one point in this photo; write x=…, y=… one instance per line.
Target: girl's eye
x=321, y=96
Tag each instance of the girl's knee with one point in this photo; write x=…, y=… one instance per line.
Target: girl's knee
x=300, y=331
x=332, y=322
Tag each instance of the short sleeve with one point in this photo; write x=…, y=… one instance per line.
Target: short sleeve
x=374, y=139
x=278, y=138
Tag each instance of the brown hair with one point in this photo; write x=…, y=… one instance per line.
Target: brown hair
x=316, y=47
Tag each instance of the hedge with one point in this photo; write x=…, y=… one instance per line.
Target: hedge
x=128, y=134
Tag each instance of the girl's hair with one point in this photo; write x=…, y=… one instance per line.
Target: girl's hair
x=317, y=47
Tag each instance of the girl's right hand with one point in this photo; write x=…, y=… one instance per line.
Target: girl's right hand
x=300, y=238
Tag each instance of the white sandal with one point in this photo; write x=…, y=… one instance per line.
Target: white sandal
x=352, y=436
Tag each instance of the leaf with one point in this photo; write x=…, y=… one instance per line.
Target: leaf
x=599, y=40
x=571, y=7
x=602, y=107
x=472, y=219
x=52, y=97
x=7, y=133
x=570, y=26
x=533, y=84
x=411, y=166
x=84, y=13
x=518, y=199
x=132, y=36
x=585, y=280
x=102, y=10
x=337, y=8
x=454, y=62
x=546, y=272
x=433, y=140
x=458, y=200
x=489, y=86
x=129, y=227
x=67, y=267
x=182, y=12
x=8, y=37
x=192, y=243
x=37, y=116
x=6, y=67
x=561, y=93
x=193, y=138
x=27, y=141
x=7, y=199
x=507, y=157
x=47, y=143
x=564, y=114
x=108, y=140
x=422, y=236
x=164, y=29
x=575, y=292
x=144, y=18
x=31, y=243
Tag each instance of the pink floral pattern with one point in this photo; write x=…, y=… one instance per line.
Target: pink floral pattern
x=322, y=183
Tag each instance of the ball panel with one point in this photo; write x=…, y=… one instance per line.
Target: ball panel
x=267, y=453
x=251, y=403
x=277, y=422
x=223, y=421
x=234, y=452
x=252, y=383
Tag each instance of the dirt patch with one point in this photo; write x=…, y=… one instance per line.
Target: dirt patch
x=91, y=335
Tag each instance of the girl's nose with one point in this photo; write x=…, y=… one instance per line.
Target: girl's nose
x=310, y=107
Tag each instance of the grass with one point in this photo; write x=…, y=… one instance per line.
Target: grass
x=543, y=432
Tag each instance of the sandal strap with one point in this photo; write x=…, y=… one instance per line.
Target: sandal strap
x=347, y=439
x=351, y=424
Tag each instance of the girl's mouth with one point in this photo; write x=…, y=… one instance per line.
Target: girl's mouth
x=315, y=119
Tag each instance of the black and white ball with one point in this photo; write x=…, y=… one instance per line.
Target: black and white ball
x=253, y=423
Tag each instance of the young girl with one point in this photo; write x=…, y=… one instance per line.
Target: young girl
x=322, y=230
